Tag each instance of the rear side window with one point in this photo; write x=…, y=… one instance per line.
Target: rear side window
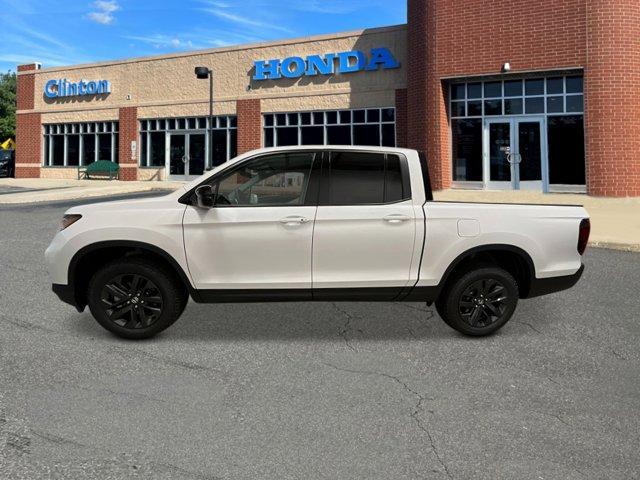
x=358, y=178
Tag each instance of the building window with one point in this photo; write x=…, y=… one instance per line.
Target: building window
x=154, y=136
x=550, y=95
x=366, y=127
x=466, y=136
x=74, y=144
x=566, y=150
x=558, y=99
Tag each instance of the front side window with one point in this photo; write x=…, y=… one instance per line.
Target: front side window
x=274, y=180
x=359, y=178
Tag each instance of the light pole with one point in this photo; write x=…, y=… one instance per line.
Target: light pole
x=204, y=73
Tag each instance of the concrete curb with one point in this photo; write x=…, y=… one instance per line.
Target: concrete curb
x=616, y=246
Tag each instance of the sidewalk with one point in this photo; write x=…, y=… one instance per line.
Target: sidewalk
x=30, y=190
x=615, y=222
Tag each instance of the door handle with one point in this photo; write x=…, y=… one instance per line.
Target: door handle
x=396, y=218
x=294, y=220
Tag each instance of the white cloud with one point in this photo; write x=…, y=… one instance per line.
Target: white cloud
x=104, y=10
x=164, y=41
x=245, y=21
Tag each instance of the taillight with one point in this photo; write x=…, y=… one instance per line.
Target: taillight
x=583, y=235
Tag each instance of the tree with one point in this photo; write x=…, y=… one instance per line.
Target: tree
x=7, y=106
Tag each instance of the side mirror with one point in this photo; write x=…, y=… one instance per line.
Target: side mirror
x=205, y=197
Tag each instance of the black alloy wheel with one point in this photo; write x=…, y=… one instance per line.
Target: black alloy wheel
x=483, y=302
x=479, y=302
x=132, y=301
x=136, y=298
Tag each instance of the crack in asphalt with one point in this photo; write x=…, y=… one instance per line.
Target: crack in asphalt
x=417, y=409
x=528, y=325
x=24, y=324
x=606, y=347
x=346, y=327
x=56, y=439
x=136, y=353
x=553, y=415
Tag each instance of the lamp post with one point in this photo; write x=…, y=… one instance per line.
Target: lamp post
x=203, y=73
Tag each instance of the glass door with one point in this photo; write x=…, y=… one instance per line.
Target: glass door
x=498, y=155
x=187, y=155
x=514, y=154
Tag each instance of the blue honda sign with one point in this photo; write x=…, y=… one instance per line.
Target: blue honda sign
x=65, y=88
x=328, y=64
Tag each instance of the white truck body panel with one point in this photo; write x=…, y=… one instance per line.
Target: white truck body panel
x=339, y=247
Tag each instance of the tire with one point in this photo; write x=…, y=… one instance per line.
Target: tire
x=135, y=298
x=479, y=302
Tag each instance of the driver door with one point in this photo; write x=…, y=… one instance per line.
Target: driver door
x=258, y=236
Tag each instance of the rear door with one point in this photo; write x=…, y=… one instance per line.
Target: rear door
x=365, y=227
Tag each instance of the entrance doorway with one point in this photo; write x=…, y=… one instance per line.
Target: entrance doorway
x=514, y=153
x=186, y=156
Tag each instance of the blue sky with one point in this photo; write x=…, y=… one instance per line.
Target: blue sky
x=70, y=32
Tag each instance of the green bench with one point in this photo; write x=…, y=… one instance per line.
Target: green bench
x=101, y=169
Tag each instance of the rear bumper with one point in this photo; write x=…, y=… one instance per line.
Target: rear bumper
x=544, y=286
x=67, y=294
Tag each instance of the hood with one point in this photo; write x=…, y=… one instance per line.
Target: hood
x=161, y=201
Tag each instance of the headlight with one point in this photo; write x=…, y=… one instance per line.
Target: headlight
x=69, y=220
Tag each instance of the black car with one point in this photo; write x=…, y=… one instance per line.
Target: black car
x=7, y=163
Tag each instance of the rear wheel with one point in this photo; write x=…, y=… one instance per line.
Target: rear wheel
x=479, y=302
x=135, y=298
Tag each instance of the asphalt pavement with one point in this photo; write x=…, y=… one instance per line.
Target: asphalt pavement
x=317, y=390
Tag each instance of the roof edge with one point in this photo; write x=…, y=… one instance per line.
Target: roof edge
x=231, y=48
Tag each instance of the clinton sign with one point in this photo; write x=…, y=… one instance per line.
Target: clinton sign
x=328, y=64
x=65, y=88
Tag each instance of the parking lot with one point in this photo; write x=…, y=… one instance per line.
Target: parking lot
x=335, y=391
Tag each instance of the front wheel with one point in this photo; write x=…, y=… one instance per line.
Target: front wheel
x=479, y=302
x=135, y=298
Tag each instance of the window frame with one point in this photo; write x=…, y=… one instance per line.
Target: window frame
x=325, y=179
x=167, y=125
x=81, y=129
x=270, y=124
x=311, y=194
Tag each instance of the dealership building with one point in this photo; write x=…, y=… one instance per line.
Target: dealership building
x=507, y=94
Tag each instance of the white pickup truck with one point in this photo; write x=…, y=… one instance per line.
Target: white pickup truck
x=313, y=224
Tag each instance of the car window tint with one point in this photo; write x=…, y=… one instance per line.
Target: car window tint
x=275, y=180
x=356, y=178
x=394, y=191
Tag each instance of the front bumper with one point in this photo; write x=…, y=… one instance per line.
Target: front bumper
x=544, y=286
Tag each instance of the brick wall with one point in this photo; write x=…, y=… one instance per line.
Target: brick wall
x=401, y=117
x=128, y=125
x=612, y=109
x=475, y=37
x=28, y=126
x=249, y=125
